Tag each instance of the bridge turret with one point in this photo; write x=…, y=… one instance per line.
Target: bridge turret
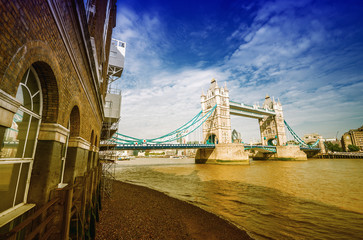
x=268, y=103
x=218, y=127
x=272, y=127
x=202, y=100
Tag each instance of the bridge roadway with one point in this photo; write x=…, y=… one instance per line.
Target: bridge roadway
x=163, y=146
x=197, y=146
x=250, y=111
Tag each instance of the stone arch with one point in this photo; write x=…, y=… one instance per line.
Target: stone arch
x=92, y=137
x=212, y=139
x=39, y=55
x=74, y=111
x=272, y=142
x=74, y=122
x=96, y=143
x=50, y=93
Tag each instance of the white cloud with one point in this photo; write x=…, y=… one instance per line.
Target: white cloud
x=293, y=58
x=284, y=55
x=146, y=43
x=173, y=99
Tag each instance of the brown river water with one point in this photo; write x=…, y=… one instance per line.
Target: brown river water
x=314, y=199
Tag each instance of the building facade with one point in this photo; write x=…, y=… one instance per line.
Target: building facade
x=53, y=82
x=353, y=137
x=312, y=138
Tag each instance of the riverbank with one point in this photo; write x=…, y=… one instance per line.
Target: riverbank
x=136, y=212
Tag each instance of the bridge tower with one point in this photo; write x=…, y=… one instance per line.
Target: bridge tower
x=272, y=128
x=217, y=129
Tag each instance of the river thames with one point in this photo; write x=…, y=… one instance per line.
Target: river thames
x=314, y=199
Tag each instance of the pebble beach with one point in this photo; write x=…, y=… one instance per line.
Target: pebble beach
x=136, y=212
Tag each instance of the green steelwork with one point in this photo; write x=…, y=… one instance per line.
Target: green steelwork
x=163, y=146
x=178, y=133
x=299, y=140
x=271, y=149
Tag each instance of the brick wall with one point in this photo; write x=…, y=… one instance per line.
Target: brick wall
x=29, y=35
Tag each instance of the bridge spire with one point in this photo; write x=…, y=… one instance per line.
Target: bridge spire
x=225, y=86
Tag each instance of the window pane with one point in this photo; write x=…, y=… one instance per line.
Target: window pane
x=31, y=138
x=19, y=95
x=23, y=96
x=25, y=76
x=22, y=183
x=9, y=177
x=36, y=103
x=32, y=83
x=14, y=137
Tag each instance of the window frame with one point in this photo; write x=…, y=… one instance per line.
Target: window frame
x=23, y=159
x=61, y=183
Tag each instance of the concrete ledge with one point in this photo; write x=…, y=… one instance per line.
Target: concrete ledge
x=223, y=154
x=14, y=213
x=79, y=143
x=93, y=148
x=53, y=132
x=8, y=107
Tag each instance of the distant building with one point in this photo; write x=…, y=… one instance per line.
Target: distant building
x=353, y=137
x=311, y=138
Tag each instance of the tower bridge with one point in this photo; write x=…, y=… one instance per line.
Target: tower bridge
x=216, y=145
x=218, y=127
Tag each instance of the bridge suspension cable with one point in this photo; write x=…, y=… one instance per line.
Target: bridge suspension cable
x=298, y=139
x=178, y=133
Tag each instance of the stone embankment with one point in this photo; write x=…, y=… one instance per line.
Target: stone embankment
x=358, y=155
x=136, y=212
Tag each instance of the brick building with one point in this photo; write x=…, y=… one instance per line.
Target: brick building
x=53, y=81
x=353, y=137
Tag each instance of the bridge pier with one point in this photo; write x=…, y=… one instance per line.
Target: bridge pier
x=223, y=153
x=289, y=152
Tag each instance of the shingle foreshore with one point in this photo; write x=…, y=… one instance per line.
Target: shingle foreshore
x=136, y=212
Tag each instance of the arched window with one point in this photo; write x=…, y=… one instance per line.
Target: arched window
x=19, y=144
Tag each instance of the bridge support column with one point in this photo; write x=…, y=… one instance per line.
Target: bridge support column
x=289, y=152
x=223, y=154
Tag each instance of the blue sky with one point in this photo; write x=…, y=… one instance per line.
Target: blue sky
x=309, y=54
